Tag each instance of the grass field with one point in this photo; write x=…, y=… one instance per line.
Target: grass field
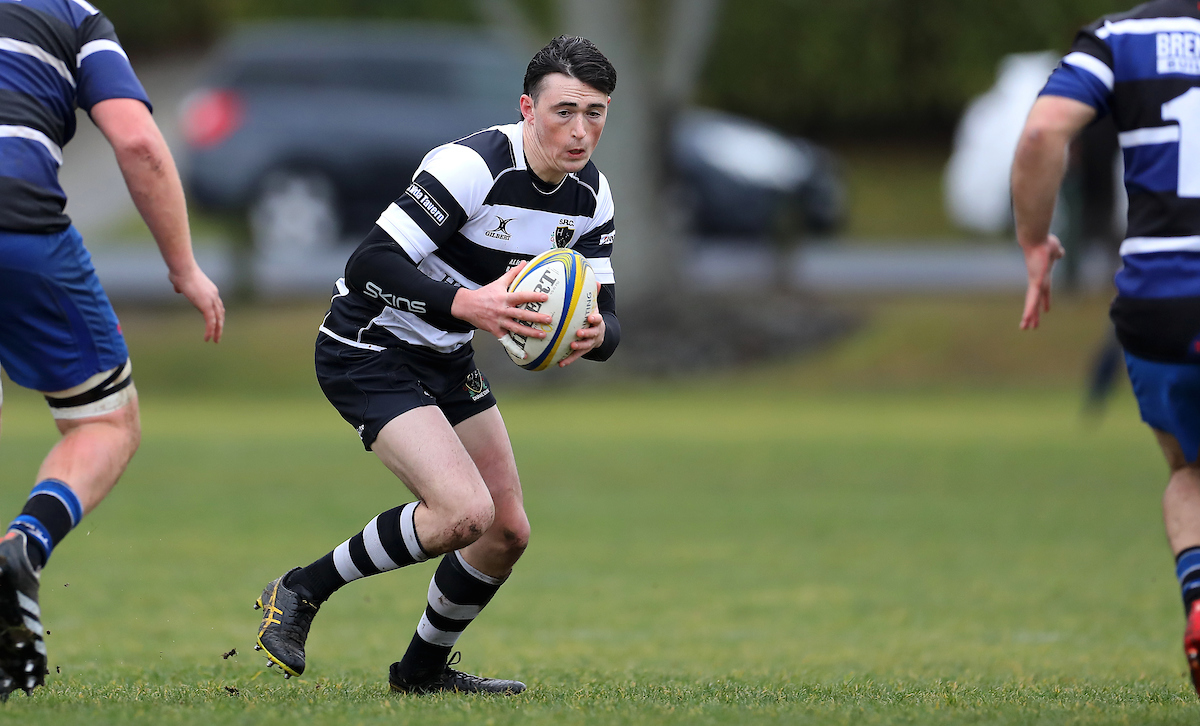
x=779, y=545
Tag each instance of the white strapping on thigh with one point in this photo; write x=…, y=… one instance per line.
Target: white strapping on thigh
x=119, y=397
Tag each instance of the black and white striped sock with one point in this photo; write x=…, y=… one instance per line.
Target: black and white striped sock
x=388, y=542
x=457, y=593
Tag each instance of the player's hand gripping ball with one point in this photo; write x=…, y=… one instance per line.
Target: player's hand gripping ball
x=568, y=279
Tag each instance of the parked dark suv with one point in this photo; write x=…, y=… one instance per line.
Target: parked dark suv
x=313, y=129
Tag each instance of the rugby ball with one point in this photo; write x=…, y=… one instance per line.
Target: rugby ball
x=568, y=279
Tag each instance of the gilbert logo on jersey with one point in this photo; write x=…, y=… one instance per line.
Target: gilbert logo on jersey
x=501, y=230
x=564, y=233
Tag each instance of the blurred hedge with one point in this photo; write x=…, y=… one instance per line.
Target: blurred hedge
x=877, y=67
x=166, y=25
x=818, y=67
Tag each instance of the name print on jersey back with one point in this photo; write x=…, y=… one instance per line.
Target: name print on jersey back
x=1178, y=53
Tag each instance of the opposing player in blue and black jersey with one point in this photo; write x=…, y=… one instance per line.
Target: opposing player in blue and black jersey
x=394, y=357
x=1143, y=67
x=58, y=333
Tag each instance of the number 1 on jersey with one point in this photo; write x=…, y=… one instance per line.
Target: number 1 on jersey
x=1185, y=110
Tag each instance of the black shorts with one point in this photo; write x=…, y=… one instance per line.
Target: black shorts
x=370, y=388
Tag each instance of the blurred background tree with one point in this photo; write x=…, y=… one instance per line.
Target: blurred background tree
x=877, y=68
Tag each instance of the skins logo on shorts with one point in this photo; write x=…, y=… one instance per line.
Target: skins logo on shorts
x=476, y=387
x=564, y=233
x=427, y=202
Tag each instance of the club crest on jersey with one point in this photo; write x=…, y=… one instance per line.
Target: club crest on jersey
x=564, y=233
x=501, y=230
x=476, y=386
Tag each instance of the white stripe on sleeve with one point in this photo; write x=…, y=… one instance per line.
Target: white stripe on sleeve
x=462, y=171
x=1093, y=65
x=411, y=238
x=97, y=46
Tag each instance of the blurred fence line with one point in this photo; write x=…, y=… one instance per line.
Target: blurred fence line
x=135, y=272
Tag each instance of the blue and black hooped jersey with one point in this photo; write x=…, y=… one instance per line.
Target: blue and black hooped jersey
x=1143, y=67
x=55, y=56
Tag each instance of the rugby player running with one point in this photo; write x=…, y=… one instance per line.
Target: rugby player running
x=1143, y=67
x=394, y=357
x=58, y=332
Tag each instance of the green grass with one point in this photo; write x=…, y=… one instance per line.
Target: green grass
x=778, y=546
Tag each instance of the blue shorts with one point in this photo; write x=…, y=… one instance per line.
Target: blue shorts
x=1168, y=395
x=57, y=327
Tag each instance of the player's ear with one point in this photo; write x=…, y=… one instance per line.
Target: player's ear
x=527, y=106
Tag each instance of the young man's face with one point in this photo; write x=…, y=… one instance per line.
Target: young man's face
x=567, y=120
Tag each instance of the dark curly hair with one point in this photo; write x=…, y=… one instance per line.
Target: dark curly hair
x=576, y=57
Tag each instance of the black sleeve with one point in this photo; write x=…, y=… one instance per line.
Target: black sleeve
x=612, y=326
x=381, y=270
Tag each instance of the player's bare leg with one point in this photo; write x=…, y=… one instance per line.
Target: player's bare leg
x=454, y=510
x=486, y=440
x=75, y=476
x=1181, y=514
x=423, y=450
x=467, y=579
x=94, y=452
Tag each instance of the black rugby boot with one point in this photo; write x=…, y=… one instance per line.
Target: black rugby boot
x=22, y=648
x=453, y=681
x=286, y=620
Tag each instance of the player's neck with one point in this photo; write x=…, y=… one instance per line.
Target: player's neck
x=535, y=159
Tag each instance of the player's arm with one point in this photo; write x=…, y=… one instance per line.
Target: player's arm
x=381, y=269
x=494, y=309
x=600, y=338
x=448, y=187
x=1037, y=173
x=154, y=185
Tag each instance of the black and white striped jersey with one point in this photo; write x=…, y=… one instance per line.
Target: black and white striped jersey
x=472, y=211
